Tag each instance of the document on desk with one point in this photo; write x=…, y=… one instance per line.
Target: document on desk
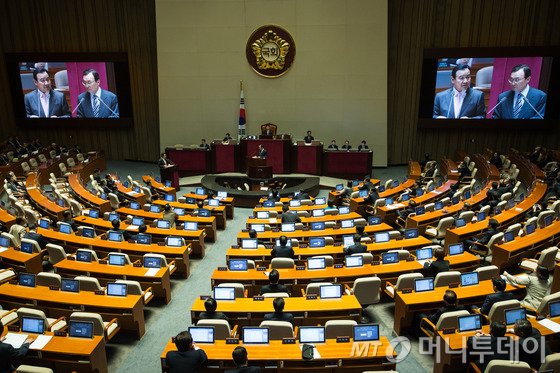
x=316, y=354
x=549, y=324
x=2, y=249
x=40, y=342
x=132, y=228
x=16, y=340
x=272, y=220
x=151, y=272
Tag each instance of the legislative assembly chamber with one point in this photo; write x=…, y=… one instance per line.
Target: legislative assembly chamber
x=285, y=186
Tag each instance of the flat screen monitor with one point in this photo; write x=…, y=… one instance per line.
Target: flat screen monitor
x=320, y=201
x=424, y=284
x=381, y=188
x=469, y=279
x=349, y=223
x=455, y=200
x=190, y=200
x=80, y=329
x=420, y=210
x=268, y=203
x=521, y=197
x=144, y=239
x=353, y=261
x=26, y=279
x=44, y=223
x=374, y=220
x=355, y=183
x=137, y=189
x=174, y=241
x=339, y=187
x=191, y=226
x=263, y=215
x=200, y=191
x=344, y=210
x=117, y=259
x=88, y=232
x=460, y=223
x=155, y=209
x=103, y=196
x=214, y=202
x=152, y=262
x=554, y=309
x=26, y=247
x=238, y=264
x=480, y=216
x=548, y=220
x=363, y=193
x=390, y=258
x=116, y=289
x=33, y=325
x=316, y=263
x=456, y=248
x=388, y=201
x=419, y=192
x=295, y=203
x=202, y=334
x=405, y=197
x=510, y=204
x=204, y=212
x=113, y=216
x=347, y=240
x=531, y=228
x=317, y=242
x=288, y=227
x=469, y=323
x=249, y=243
x=167, y=183
x=424, y=254
x=163, y=224
x=317, y=226
x=126, y=184
x=169, y=198
x=134, y=205
x=514, y=314
x=395, y=183
x=4, y=242
x=222, y=194
x=179, y=211
x=257, y=227
x=65, y=228
x=93, y=213
x=224, y=293
x=330, y=291
x=311, y=334
x=253, y=335
x=137, y=221
x=115, y=236
x=467, y=194
x=497, y=210
x=61, y=203
x=71, y=285
x=84, y=256
x=367, y=332
x=381, y=237
x=411, y=233
x=509, y=236
x=288, y=243
x=318, y=213
x=438, y=205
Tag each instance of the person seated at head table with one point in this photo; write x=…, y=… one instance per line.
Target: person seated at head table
x=332, y=145
x=204, y=145
x=363, y=146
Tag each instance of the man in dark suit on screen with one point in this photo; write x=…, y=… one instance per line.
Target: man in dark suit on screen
x=460, y=101
x=523, y=101
x=96, y=102
x=45, y=102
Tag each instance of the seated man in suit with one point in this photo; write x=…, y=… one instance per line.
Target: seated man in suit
x=450, y=299
x=279, y=314
x=482, y=240
x=32, y=234
x=96, y=102
x=267, y=131
x=460, y=101
x=210, y=306
x=141, y=230
x=283, y=251
x=333, y=145
x=67, y=218
x=499, y=285
x=9, y=354
x=363, y=146
x=489, y=347
x=289, y=216
x=116, y=223
x=274, y=286
x=204, y=145
x=169, y=215
x=187, y=358
x=227, y=137
x=522, y=101
x=432, y=268
x=357, y=247
x=241, y=361
x=346, y=145
x=45, y=102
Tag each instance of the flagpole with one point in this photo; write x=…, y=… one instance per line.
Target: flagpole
x=242, y=120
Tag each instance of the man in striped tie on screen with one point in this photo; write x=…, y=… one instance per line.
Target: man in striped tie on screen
x=96, y=102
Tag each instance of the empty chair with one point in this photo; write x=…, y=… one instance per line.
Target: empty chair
x=30, y=216
x=239, y=288
x=221, y=328
x=485, y=251
x=367, y=258
x=36, y=247
x=546, y=259
x=403, y=254
x=63, y=169
x=76, y=208
x=56, y=253
x=113, y=200
x=395, y=235
x=71, y=163
x=506, y=366
x=484, y=77
x=134, y=288
x=6, y=274
x=339, y=328
x=277, y=263
x=88, y=283
x=42, y=158
x=467, y=215
x=367, y=290
x=430, y=207
x=515, y=228
x=25, y=167
x=329, y=241
x=438, y=232
x=404, y=281
x=276, y=295
x=107, y=329
x=551, y=362
x=32, y=369
x=448, y=320
x=389, y=184
x=50, y=323
x=48, y=279
x=506, y=196
x=485, y=209
x=329, y=260
x=529, y=222
x=497, y=311
x=500, y=206
x=147, y=192
x=542, y=216
x=487, y=272
x=315, y=287
x=446, y=278
x=556, y=208
x=278, y=329
x=543, y=308
x=80, y=157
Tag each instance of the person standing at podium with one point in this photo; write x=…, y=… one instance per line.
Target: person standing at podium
x=163, y=161
x=262, y=152
x=227, y=137
x=308, y=138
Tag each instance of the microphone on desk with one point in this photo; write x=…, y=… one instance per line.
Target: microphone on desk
x=77, y=106
x=495, y=106
x=523, y=98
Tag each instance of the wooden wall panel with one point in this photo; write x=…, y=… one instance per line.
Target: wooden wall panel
x=418, y=24
x=89, y=26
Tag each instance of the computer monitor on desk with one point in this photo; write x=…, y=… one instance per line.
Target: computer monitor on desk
x=33, y=325
x=514, y=314
x=249, y=243
x=252, y=335
x=424, y=284
x=469, y=323
x=202, y=334
x=368, y=332
x=224, y=293
x=312, y=334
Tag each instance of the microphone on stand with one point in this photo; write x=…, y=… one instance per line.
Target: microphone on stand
x=107, y=106
x=495, y=106
x=77, y=106
x=523, y=98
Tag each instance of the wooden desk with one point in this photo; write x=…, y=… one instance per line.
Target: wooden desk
x=86, y=197
x=246, y=311
x=30, y=263
x=486, y=171
x=277, y=222
x=190, y=161
x=218, y=211
x=278, y=209
x=195, y=238
x=347, y=164
x=448, y=168
x=68, y=354
x=42, y=203
x=129, y=193
x=414, y=170
x=334, y=357
x=6, y=218
x=357, y=204
x=555, y=279
x=227, y=202
x=528, y=172
x=158, y=186
x=407, y=304
x=159, y=282
x=135, y=251
x=128, y=310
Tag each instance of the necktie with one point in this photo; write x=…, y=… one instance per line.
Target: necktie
x=95, y=106
x=518, y=105
x=45, y=104
x=457, y=104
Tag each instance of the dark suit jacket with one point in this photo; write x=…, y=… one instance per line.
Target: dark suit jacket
x=355, y=249
x=532, y=358
x=213, y=315
x=498, y=346
x=188, y=361
x=57, y=104
x=536, y=97
x=473, y=104
x=108, y=107
x=434, y=317
x=279, y=317
x=290, y=217
x=205, y=146
x=244, y=370
x=363, y=147
x=37, y=237
x=436, y=267
x=346, y=147
x=308, y=139
x=8, y=354
x=333, y=147
x=493, y=298
x=282, y=252
x=274, y=288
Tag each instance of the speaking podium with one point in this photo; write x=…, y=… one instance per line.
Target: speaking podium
x=171, y=173
x=257, y=168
